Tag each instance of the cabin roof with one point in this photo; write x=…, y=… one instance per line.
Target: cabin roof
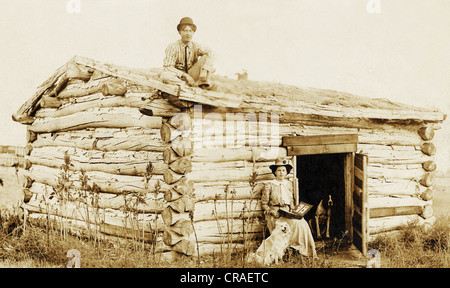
x=249, y=95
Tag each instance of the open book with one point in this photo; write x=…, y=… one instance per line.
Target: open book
x=298, y=212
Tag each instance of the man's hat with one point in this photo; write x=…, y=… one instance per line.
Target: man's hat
x=281, y=162
x=186, y=21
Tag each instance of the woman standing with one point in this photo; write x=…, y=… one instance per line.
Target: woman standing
x=277, y=194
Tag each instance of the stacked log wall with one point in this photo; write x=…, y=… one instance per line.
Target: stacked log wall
x=400, y=174
x=90, y=123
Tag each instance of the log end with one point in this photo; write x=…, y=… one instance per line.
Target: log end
x=427, y=180
x=427, y=195
x=429, y=166
x=427, y=133
x=427, y=211
x=429, y=149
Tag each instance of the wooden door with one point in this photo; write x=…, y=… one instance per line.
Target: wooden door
x=360, y=213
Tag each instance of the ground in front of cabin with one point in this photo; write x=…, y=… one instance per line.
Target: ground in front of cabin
x=42, y=245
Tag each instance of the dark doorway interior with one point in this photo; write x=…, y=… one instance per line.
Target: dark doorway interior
x=319, y=176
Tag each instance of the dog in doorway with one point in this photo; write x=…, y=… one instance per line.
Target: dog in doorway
x=322, y=218
x=273, y=247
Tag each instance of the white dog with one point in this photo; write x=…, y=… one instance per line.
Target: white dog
x=272, y=248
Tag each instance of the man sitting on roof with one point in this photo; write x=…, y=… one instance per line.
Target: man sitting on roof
x=187, y=61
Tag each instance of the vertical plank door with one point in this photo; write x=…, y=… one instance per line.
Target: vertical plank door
x=360, y=207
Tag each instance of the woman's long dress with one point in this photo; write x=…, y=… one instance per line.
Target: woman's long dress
x=277, y=194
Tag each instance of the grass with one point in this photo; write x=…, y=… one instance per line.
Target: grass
x=416, y=248
x=37, y=246
x=41, y=243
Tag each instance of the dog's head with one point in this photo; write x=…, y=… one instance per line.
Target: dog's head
x=283, y=227
x=330, y=201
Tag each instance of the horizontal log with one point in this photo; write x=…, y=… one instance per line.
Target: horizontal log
x=106, y=182
x=385, y=224
x=75, y=71
x=394, y=211
x=393, y=155
x=49, y=102
x=238, y=154
x=148, y=203
x=91, y=216
x=84, y=89
x=98, y=75
x=83, y=155
x=234, y=123
x=130, y=142
x=237, y=174
x=426, y=225
x=232, y=141
x=395, y=201
x=101, y=118
x=314, y=108
x=321, y=149
x=368, y=133
x=109, y=133
x=101, y=101
x=114, y=89
x=299, y=120
x=320, y=140
x=205, y=191
x=227, y=209
x=162, y=107
x=387, y=187
x=405, y=171
x=232, y=230
x=109, y=162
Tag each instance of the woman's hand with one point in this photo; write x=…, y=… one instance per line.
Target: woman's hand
x=273, y=213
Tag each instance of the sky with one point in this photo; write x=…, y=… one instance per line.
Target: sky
x=393, y=49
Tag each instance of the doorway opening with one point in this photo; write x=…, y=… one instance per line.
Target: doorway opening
x=329, y=165
x=319, y=177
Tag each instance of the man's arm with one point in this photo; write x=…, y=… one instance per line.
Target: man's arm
x=171, y=59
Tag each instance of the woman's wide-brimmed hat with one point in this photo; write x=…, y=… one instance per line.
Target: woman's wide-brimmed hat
x=281, y=162
x=186, y=21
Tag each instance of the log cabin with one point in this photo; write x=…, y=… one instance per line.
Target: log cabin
x=190, y=173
